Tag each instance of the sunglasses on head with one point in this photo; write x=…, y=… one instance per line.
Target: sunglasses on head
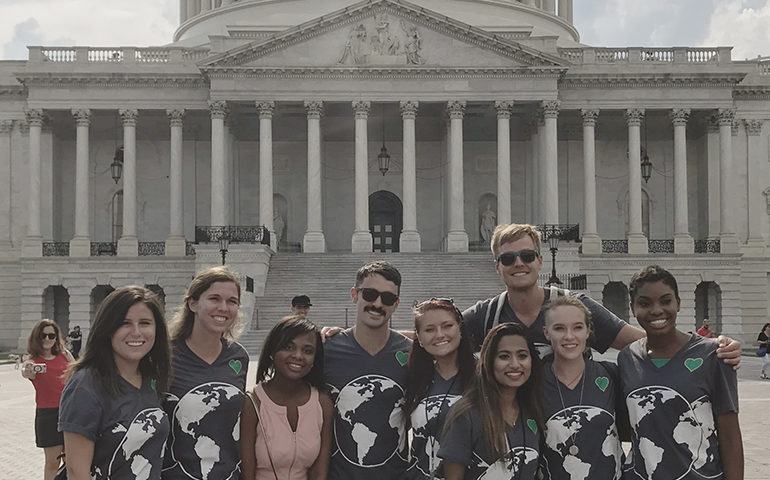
x=51, y=336
x=371, y=294
x=509, y=258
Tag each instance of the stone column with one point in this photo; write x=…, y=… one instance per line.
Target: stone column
x=128, y=243
x=175, y=243
x=457, y=238
x=755, y=244
x=683, y=241
x=33, y=242
x=192, y=9
x=536, y=184
x=182, y=11
x=219, y=192
x=727, y=236
x=266, y=167
x=551, y=163
x=531, y=3
x=503, y=161
x=314, y=240
x=80, y=245
x=592, y=243
x=207, y=5
x=637, y=242
x=409, y=241
x=549, y=6
x=6, y=127
x=565, y=10
x=712, y=170
x=362, y=237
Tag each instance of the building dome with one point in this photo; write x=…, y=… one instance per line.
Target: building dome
x=254, y=18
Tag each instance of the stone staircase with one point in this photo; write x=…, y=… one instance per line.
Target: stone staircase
x=327, y=279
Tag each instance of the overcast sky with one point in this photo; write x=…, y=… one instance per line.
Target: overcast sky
x=743, y=24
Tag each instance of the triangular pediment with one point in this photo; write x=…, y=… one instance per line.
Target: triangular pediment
x=385, y=33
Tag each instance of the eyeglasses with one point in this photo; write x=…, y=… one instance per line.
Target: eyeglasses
x=509, y=258
x=51, y=336
x=371, y=294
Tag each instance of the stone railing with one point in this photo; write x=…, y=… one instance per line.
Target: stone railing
x=56, y=249
x=116, y=55
x=708, y=246
x=152, y=248
x=643, y=55
x=660, y=246
x=234, y=234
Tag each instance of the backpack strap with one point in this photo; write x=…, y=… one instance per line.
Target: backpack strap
x=558, y=292
x=497, y=304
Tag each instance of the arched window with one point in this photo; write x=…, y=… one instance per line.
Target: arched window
x=615, y=299
x=56, y=306
x=708, y=304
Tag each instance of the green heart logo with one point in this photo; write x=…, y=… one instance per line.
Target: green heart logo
x=153, y=384
x=236, y=365
x=402, y=357
x=532, y=425
x=693, y=364
x=602, y=383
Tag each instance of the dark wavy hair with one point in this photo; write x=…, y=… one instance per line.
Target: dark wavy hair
x=99, y=357
x=387, y=270
x=35, y=340
x=484, y=392
x=283, y=332
x=420, y=369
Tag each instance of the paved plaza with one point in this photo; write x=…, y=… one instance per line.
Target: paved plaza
x=21, y=460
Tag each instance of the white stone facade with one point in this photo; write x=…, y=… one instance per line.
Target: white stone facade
x=274, y=113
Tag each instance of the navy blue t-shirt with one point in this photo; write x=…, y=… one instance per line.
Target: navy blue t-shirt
x=129, y=431
x=204, y=403
x=673, y=408
x=368, y=396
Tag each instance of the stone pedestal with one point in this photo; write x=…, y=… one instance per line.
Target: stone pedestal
x=409, y=241
x=176, y=246
x=314, y=242
x=361, y=242
x=637, y=244
x=592, y=244
x=128, y=246
x=729, y=243
x=457, y=242
x=80, y=247
x=683, y=243
x=754, y=247
x=32, y=247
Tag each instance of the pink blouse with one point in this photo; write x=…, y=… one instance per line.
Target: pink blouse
x=293, y=453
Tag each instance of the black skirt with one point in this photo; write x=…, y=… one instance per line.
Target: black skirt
x=47, y=433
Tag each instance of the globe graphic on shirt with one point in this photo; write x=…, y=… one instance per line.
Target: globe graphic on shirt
x=586, y=463
x=508, y=466
x=690, y=426
x=129, y=455
x=373, y=443
x=199, y=431
x=425, y=429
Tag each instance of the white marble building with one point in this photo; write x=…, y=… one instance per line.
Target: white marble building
x=274, y=112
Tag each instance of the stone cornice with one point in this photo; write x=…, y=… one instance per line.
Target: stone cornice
x=751, y=93
x=669, y=80
x=351, y=73
x=418, y=15
x=13, y=91
x=113, y=81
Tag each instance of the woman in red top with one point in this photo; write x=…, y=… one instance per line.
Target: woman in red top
x=45, y=368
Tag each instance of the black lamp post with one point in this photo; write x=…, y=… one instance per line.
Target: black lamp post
x=383, y=159
x=646, y=166
x=224, y=243
x=553, y=242
x=116, y=167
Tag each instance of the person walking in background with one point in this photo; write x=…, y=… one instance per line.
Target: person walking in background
x=441, y=366
x=300, y=305
x=495, y=430
x=763, y=340
x=45, y=368
x=113, y=424
x=704, y=330
x=206, y=394
x=682, y=400
x=75, y=339
x=286, y=425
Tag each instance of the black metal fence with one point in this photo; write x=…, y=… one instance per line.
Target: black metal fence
x=234, y=234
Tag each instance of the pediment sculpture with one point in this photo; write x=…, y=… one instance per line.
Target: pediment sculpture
x=376, y=43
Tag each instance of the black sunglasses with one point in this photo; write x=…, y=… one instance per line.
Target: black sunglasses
x=51, y=336
x=509, y=258
x=371, y=294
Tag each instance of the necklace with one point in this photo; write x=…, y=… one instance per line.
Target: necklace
x=432, y=437
x=573, y=449
x=520, y=467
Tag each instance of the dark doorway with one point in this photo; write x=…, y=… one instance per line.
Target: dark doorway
x=385, y=219
x=615, y=299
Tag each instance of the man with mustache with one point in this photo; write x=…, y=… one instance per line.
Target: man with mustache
x=365, y=368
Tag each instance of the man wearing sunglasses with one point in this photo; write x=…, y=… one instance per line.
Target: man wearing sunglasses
x=366, y=374
x=516, y=250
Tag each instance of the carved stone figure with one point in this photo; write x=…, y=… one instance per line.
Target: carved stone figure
x=413, y=45
x=488, y=223
x=278, y=226
x=355, y=48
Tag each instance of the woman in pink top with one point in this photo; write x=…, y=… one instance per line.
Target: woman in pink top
x=290, y=436
x=47, y=363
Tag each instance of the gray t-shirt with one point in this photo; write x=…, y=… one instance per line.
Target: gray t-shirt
x=427, y=421
x=589, y=425
x=464, y=443
x=129, y=431
x=204, y=403
x=606, y=324
x=673, y=408
x=368, y=395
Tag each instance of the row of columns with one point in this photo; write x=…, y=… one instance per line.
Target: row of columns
x=544, y=143
x=190, y=8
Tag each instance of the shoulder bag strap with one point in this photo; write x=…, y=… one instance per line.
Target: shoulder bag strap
x=264, y=434
x=493, y=321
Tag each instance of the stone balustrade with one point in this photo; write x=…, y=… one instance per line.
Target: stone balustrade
x=115, y=55
x=643, y=55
